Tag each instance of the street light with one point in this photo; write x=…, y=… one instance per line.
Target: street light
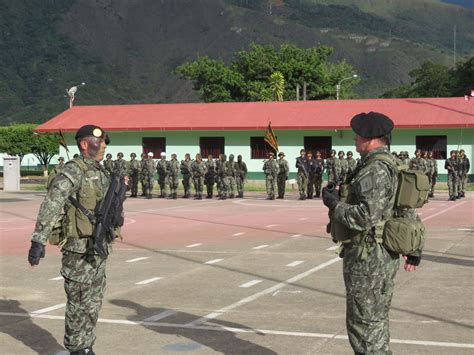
x=71, y=93
x=338, y=86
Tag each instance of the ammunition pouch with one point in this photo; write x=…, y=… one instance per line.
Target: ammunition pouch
x=404, y=235
x=57, y=234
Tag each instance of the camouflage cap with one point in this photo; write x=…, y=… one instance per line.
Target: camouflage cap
x=371, y=125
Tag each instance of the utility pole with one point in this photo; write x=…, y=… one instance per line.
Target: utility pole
x=304, y=90
x=297, y=92
x=454, y=46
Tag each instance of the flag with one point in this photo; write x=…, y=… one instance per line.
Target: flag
x=270, y=138
x=62, y=142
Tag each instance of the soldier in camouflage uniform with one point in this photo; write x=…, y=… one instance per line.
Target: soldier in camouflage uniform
x=369, y=269
x=283, y=174
x=121, y=165
x=108, y=163
x=311, y=168
x=187, y=174
x=341, y=168
x=221, y=167
x=302, y=174
x=134, y=172
x=140, y=176
x=83, y=269
x=240, y=176
x=162, y=168
x=148, y=175
x=434, y=176
x=210, y=177
x=429, y=170
x=452, y=166
x=318, y=174
x=418, y=163
x=405, y=158
x=55, y=171
x=351, y=163
x=173, y=177
x=331, y=167
x=199, y=170
x=464, y=165
x=231, y=171
x=271, y=170
x=218, y=163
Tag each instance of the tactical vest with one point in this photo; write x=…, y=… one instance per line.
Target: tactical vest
x=90, y=193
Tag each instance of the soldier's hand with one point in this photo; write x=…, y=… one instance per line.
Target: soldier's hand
x=36, y=253
x=330, y=199
x=411, y=262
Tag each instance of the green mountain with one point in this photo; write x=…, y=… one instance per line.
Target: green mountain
x=125, y=51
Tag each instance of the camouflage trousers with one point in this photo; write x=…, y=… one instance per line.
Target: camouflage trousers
x=369, y=289
x=281, y=183
x=148, y=183
x=332, y=177
x=187, y=185
x=463, y=179
x=164, y=185
x=218, y=185
x=209, y=182
x=302, y=180
x=84, y=283
x=198, y=184
x=318, y=181
x=230, y=182
x=224, y=186
x=453, y=185
x=174, y=183
x=240, y=182
x=133, y=183
x=270, y=184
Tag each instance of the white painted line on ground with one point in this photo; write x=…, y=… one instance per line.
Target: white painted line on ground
x=245, y=330
x=137, y=259
x=144, y=282
x=160, y=315
x=303, y=219
x=295, y=263
x=296, y=235
x=250, y=283
x=237, y=234
x=56, y=278
x=465, y=229
x=213, y=261
x=49, y=309
x=271, y=225
x=193, y=245
x=334, y=247
x=443, y=211
x=260, y=247
x=267, y=291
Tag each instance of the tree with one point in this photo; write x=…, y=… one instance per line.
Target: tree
x=246, y=77
x=20, y=140
x=277, y=85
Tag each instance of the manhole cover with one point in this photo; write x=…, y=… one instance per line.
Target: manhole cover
x=182, y=347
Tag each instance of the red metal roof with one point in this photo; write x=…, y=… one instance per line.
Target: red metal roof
x=297, y=115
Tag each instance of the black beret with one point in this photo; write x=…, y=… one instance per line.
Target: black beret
x=371, y=125
x=91, y=130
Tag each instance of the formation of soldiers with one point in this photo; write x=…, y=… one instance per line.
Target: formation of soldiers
x=227, y=175
x=458, y=166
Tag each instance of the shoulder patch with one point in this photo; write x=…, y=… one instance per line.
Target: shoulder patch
x=366, y=183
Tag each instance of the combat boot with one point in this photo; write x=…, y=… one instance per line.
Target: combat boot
x=231, y=196
x=85, y=351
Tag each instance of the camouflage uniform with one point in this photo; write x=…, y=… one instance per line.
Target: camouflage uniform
x=121, y=167
x=140, y=175
x=418, y=163
x=282, y=176
x=148, y=176
x=218, y=178
x=55, y=171
x=231, y=171
x=464, y=166
x=134, y=172
x=163, y=175
x=302, y=176
x=109, y=165
x=451, y=165
x=187, y=176
x=318, y=175
x=434, y=163
x=271, y=170
x=222, y=168
x=369, y=269
x=82, y=269
x=173, y=177
x=331, y=169
x=341, y=169
x=240, y=176
x=210, y=177
x=199, y=170
x=351, y=165
x=311, y=168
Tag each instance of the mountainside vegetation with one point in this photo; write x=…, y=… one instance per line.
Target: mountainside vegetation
x=128, y=51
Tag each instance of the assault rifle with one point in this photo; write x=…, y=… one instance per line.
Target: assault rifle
x=109, y=215
x=302, y=166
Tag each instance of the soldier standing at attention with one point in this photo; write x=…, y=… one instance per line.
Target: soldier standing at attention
x=271, y=170
x=231, y=171
x=302, y=174
x=311, y=166
x=282, y=174
x=463, y=172
x=351, y=163
x=108, y=163
x=121, y=165
x=241, y=176
x=369, y=269
x=341, y=168
x=222, y=175
x=83, y=269
x=163, y=175
x=185, y=168
x=148, y=172
x=452, y=166
x=318, y=175
x=418, y=163
x=434, y=164
x=173, y=176
x=429, y=170
x=199, y=170
x=134, y=172
x=142, y=167
x=331, y=167
x=217, y=163
x=405, y=158
x=210, y=177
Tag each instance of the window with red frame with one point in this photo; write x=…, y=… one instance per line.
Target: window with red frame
x=314, y=143
x=259, y=149
x=212, y=146
x=156, y=145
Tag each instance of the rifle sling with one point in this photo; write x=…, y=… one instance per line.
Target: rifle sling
x=84, y=210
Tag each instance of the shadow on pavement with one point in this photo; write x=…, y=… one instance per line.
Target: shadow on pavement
x=24, y=330
x=224, y=342
x=448, y=260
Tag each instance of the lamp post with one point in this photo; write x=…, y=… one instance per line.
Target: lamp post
x=71, y=93
x=338, y=86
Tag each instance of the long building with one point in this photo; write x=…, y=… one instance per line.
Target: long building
x=437, y=124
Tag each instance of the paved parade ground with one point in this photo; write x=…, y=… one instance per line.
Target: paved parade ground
x=241, y=276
